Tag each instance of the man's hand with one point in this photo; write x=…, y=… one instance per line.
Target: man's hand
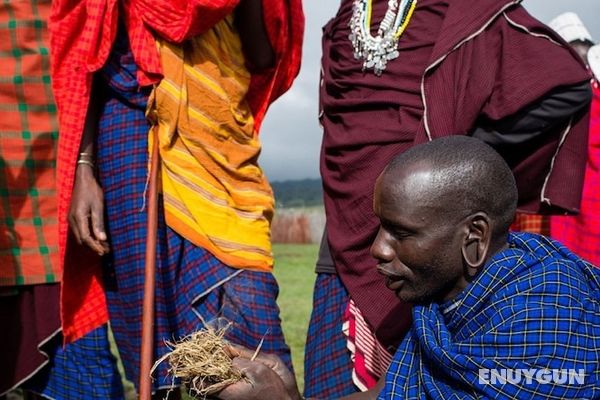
x=268, y=378
x=87, y=207
x=261, y=383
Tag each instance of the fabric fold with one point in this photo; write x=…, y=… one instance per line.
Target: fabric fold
x=214, y=192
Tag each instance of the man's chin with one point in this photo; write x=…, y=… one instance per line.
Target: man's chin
x=413, y=298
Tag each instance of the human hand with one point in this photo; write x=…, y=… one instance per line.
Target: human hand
x=260, y=383
x=87, y=205
x=268, y=377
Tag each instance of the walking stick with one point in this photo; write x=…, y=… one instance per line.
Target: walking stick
x=149, y=275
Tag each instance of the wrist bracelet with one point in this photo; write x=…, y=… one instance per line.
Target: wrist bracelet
x=86, y=162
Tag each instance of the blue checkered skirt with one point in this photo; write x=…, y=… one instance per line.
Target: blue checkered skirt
x=83, y=370
x=327, y=363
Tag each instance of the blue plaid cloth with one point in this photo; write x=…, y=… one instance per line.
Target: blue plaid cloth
x=191, y=284
x=327, y=363
x=535, y=307
x=82, y=370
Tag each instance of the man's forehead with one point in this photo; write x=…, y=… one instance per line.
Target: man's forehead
x=405, y=192
x=414, y=179
x=415, y=192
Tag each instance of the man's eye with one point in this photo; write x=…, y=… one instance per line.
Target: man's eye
x=400, y=235
x=397, y=232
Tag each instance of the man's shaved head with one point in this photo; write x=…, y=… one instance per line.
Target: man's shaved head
x=464, y=173
x=444, y=209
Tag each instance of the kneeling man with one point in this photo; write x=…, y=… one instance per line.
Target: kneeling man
x=496, y=315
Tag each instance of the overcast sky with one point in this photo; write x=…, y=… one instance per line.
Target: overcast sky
x=291, y=134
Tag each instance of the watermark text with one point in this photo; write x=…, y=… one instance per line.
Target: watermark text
x=529, y=376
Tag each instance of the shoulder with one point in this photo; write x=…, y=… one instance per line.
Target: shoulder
x=550, y=263
x=549, y=282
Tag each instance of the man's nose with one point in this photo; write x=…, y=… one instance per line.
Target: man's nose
x=380, y=249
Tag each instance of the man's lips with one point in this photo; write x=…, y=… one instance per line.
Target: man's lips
x=394, y=285
x=392, y=280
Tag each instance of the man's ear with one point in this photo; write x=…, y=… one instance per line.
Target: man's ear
x=476, y=243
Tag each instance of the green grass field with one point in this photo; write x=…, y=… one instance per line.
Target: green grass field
x=294, y=270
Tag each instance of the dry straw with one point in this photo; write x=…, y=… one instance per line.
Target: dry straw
x=202, y=362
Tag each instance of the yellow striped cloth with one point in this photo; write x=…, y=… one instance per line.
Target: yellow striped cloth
x=215, y=195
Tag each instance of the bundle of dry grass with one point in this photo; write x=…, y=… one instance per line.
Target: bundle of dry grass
x=202, y=362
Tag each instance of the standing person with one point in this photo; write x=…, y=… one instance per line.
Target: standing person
x=581, y=233
x=204, y=73
x=32, y=356
x=395, y=74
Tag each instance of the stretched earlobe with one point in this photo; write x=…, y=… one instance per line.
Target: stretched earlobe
x=472, y=255
x=476, y=244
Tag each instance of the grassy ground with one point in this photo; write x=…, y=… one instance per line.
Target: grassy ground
x=294, y=270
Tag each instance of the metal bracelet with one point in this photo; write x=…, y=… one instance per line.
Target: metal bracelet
x=86, y=162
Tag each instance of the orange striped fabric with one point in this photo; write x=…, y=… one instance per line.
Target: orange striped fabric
x=214, y=192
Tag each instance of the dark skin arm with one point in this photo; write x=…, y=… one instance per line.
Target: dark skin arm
x=255, y=41
x=270, y=379
x=86, y=214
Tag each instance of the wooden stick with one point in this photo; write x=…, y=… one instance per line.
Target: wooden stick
x=147, y=352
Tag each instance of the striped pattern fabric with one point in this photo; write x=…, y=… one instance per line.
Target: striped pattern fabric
x=82, y=370
x=191, y=284
x=327, y=362
x=370, y=359
x=535, y=306
x=28, y=134
x=581, y=233
x=215, y=194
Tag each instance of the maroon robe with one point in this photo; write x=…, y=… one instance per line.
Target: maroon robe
x=459, y=61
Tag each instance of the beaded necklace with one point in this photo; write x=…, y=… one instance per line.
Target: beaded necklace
x=376, y=51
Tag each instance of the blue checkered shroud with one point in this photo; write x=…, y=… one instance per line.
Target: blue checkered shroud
x=535, y=306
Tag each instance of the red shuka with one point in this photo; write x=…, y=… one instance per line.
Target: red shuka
x=581, y=233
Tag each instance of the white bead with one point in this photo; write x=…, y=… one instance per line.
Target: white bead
x=376, y=51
